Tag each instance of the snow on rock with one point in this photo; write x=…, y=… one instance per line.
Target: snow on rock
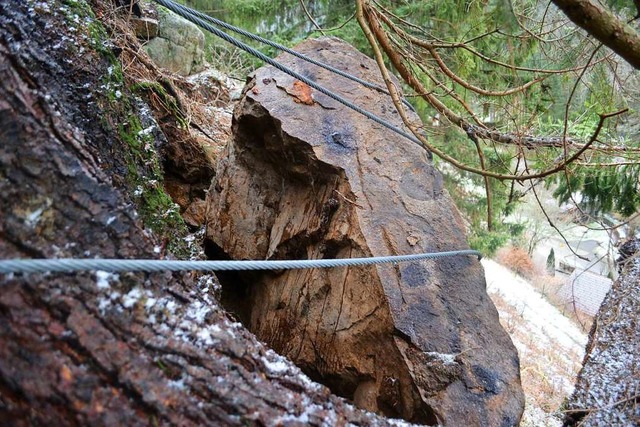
x=446, y=359
x=275, y=363
x=104, y=278
x=608, y=387
x=131, y=298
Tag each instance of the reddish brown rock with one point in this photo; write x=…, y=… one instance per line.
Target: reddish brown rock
x=100, y=349
x=305, y=177
x=194, y=215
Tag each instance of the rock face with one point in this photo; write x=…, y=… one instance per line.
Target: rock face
x=179, y=46
x=100, y=349
x=606, y=392
x=145, y=28
x=305, y=177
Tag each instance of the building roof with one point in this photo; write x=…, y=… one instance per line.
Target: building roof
x=586, y=289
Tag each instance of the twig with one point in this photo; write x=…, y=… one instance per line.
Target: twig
x=306, y=11
x=349, y=19
x=602, y=408
x=376, y=34
x=551, y=223
x=573, y=91
x=487, y=185
x=349, y=200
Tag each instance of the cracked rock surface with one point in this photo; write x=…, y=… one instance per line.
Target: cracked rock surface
x=304, y=177
x=95, y=348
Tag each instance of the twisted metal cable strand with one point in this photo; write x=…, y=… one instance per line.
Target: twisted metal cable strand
x=67, y=265
x=187, y=14
x=283, y=48
x=116, y=265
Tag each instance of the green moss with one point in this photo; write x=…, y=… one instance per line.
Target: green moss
x=80, y=7
x=167, y=100
x=144, y=176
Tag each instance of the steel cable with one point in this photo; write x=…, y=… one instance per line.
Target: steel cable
x=66, y=265
x=118, y=265
x=187, y=13
x=283, y=48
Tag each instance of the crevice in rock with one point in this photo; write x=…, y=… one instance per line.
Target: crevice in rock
x=239, y=291
x=235, y=285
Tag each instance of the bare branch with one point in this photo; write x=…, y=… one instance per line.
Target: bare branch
x=464, y=45
x=487, y=186
x=552, y=224
x=375, y=33
x=313, y=21
x=476, y=89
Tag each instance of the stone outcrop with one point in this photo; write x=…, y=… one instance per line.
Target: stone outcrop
x=305, y=177
x=179, y=46
x=145, y=28
x=606, y=392
x=194, y=115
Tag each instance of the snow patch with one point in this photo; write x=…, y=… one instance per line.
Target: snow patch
x=549, y=344
x=33, y=218
x=103, y=303
x=131, y=298
x=104, y=279
x=197, y=312
x=177, y=384
x=170, y=306
x=277, y=364
x=546, y=321
x=445, y=358
x=204, y=335
x=146, y=131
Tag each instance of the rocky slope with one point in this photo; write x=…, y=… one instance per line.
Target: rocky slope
x=606, y=391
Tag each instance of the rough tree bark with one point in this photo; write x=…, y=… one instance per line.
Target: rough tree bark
x=94, y=348
x=605, y=27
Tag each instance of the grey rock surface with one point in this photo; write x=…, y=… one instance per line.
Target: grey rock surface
x=179, y=45
x=606, y=392
x=145, y=28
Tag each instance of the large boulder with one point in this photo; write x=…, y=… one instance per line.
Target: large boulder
x=179, y=45
x=305, y=177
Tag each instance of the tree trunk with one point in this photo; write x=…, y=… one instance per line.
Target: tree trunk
x=605, y=27
x=94, y=348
